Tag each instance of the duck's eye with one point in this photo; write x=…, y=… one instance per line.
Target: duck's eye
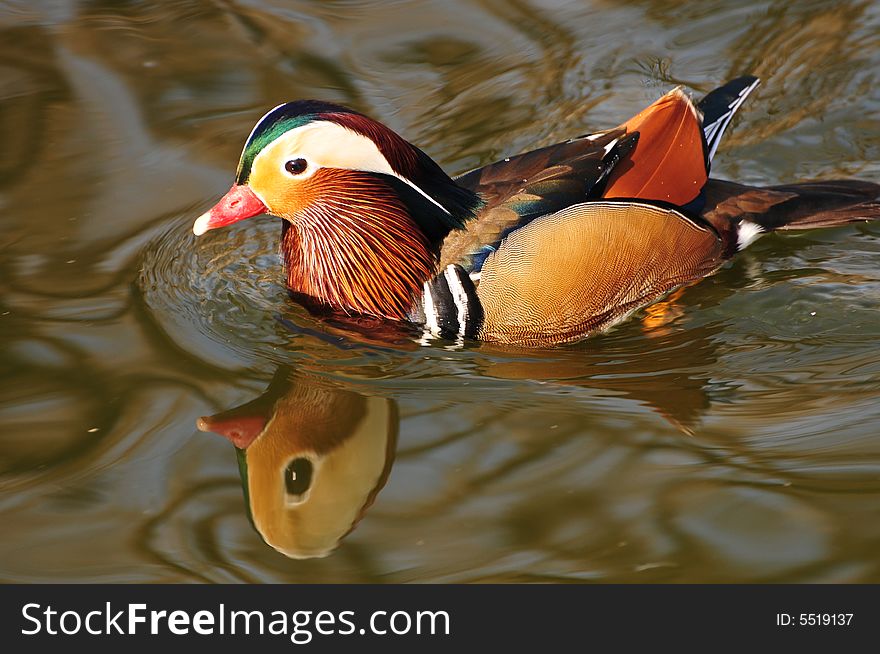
x=298, y=476
x=296, y=166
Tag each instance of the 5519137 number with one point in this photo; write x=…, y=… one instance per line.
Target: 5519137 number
x=814, y=619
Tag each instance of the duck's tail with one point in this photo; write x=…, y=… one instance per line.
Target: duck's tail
x=719, y=106
x=824, y=204
x=750, y=211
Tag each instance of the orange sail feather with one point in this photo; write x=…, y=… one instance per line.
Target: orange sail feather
x=669, y=163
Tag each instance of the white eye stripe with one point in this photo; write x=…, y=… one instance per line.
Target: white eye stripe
x=324, y=144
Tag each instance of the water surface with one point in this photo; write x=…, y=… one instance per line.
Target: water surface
x=729, y=436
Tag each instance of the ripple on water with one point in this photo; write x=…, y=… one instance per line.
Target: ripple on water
x=219, y=296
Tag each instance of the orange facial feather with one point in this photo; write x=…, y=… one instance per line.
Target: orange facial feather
x=353, y=245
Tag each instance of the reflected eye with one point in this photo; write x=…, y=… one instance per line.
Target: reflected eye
x=296, y=166
x=298, y=476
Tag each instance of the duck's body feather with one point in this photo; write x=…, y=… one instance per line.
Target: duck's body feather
x=597, y=262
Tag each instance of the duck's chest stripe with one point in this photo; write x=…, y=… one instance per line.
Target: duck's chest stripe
x=449, y=306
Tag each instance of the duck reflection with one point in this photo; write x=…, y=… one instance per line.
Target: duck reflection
x=313, y=455
x=671, y=374
x=312, y=459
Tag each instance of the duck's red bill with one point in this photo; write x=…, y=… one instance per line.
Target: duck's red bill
x=240, y=430
x=239, y=203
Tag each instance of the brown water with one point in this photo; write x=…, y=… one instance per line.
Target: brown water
x=734, y=437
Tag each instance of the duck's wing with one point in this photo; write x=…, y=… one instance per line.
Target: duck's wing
x=661, y=154
x=677, y=142
x=520, y=189
x=580, y=270
x=669, y=163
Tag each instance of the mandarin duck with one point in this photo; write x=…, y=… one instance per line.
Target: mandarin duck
x=544, y=248
x=312, y=459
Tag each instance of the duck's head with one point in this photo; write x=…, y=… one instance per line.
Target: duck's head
x=364, y=210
